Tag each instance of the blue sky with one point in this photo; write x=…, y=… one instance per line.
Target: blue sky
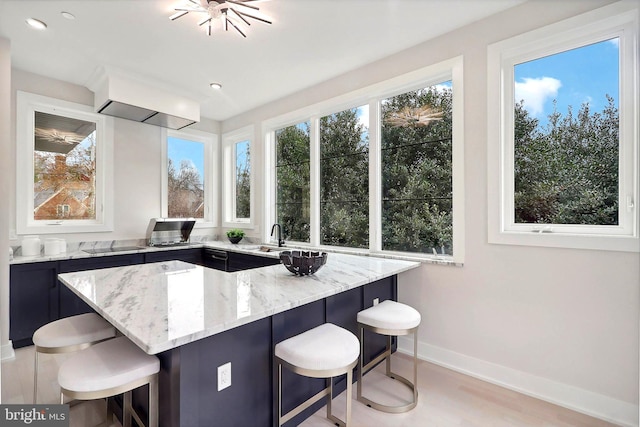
x=573, y=77
x=179, y=149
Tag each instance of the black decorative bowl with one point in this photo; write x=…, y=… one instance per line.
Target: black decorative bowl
x=234, y=240
x=303, y=262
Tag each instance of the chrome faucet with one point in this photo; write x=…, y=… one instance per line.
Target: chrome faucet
x=279, y=234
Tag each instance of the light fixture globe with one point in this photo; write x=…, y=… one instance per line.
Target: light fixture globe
x=229, y=12
x=36, y=23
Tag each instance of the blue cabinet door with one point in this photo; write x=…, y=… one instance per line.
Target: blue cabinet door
x=34, y=300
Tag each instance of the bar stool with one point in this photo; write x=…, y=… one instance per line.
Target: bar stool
x=68, y=335
x=110, y=368
x=325, y=351
x=392, y=319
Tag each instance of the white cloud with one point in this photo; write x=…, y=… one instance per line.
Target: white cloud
x=535, y=92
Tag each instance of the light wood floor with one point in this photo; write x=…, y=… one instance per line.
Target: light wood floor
x=446, y=399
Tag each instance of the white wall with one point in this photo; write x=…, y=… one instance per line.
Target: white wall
x=5, y=178
x=558, y=324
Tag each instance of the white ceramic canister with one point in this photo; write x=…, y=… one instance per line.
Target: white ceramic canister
x=62, y=246
x=31, y=246
x=51, y=247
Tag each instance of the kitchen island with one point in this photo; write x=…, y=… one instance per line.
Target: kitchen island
x=196, y=319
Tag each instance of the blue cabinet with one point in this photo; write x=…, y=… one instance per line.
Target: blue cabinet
x=34, y=300
x=188, y=375
x=237, y=261
x=37, y=298
x=193, y=256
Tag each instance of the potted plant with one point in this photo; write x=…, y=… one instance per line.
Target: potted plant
x=235, y=235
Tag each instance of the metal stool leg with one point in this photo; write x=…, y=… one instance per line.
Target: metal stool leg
x=154, y=404
x=35, y=378
x=363, y=369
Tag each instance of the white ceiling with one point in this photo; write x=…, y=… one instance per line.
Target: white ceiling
x=310, y=41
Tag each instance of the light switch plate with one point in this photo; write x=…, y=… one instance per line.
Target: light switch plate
x=224, y=376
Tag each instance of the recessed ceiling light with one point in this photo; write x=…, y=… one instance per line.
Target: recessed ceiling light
x=68, y=15
x=36, y=23
x=215, y=86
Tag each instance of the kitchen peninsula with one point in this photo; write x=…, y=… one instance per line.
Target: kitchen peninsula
x=197, y=319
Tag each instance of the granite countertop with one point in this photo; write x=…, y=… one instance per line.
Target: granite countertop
x=160, y=306
x=78, y=251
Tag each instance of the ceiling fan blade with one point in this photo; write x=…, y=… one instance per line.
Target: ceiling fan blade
x=204, y=21
x=239, y=3
x=252, y=16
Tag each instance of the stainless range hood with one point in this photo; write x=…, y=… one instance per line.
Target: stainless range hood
x=169, y=231
x=132, y=99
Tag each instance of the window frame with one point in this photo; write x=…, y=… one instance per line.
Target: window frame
x=617, y=20
x=26, y=106
x=372, y=95
x=229, y=159
x=209, y=141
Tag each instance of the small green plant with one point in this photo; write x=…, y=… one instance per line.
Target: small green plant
x=235, y=232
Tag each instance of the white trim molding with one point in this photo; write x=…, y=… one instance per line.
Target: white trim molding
x=7, y=352
x=577, y=399
x=619, y=20
x=229, y=198
x=210, y=178
x=26, y=106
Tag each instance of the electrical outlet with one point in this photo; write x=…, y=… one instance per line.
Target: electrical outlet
x=224, y=376
x=376, y=301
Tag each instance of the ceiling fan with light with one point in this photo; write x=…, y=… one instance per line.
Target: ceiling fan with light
x=229, y=12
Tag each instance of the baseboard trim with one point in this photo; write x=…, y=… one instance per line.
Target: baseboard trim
x=574, y=398
x=6, y=352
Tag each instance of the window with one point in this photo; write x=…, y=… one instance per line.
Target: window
x=384, y=173
x=63, y=211
x=238, y=178
x=563, y=151
x=344, y=178
x=187, y=182
x=293, y=209
x=417, y=186
x=64, y=167
x=243, y=180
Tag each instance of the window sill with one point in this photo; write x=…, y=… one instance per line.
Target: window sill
x=403, y=256
x=567, y=241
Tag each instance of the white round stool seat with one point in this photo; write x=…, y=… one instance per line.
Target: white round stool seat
x=73, y=331
x=325, y=351
x=325, y=347
x=107, y=365
x=390, y=315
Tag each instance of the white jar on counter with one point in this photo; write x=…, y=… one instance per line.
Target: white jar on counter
x=51, y=247
x=31, y=246
x=62, y=246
